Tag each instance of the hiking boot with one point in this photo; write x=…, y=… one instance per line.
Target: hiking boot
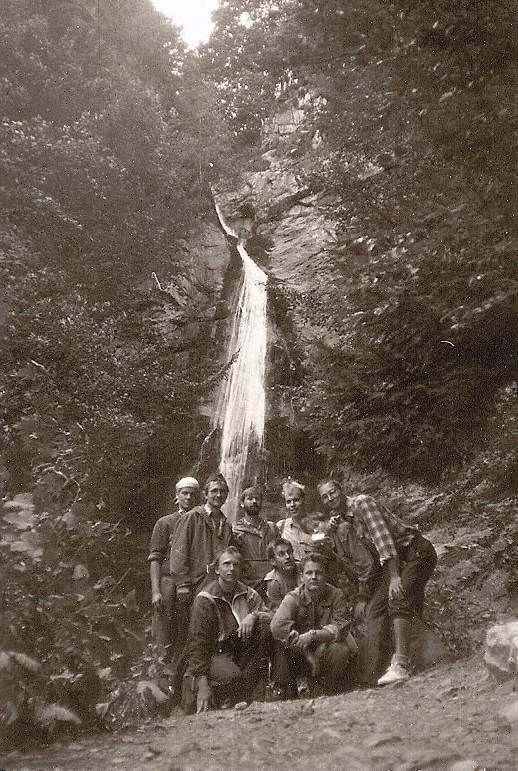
x=396, y=673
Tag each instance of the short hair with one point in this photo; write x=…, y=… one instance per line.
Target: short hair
x=329, y=481
x=270, y=549
x=314, y=556
x=289, y=482
x=232, y=550
x=256, y=488
x=217, y=476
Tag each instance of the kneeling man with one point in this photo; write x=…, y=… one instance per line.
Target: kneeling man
x=229, y=639
x=311, y=624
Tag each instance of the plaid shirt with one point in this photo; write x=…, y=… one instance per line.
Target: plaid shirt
x=378, y=527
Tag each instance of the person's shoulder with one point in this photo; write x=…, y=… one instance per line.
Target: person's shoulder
x=363, y=499
x=193, y=513
x=296, y=593
x=273, y=575
x=210, y=592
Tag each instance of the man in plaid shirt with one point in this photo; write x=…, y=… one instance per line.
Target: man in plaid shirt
x=405, y=561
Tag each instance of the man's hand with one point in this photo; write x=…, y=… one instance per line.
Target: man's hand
x=204, y=694
x=334, y=521
x=157, y=602
x=359, y=610
x=304, y=641
x=396, y=590
x=183, y=593
x=246, y=627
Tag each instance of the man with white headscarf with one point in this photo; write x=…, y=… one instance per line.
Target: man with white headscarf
x=163, y=587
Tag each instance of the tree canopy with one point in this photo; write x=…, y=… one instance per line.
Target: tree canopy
x=414, y=107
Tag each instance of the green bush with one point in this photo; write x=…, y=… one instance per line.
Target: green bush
x=72, y=627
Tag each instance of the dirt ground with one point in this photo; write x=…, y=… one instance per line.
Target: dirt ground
x=453, y=718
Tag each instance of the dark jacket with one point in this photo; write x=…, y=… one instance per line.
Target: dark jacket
x=214, y=619
x=252, y=542
x=196, y=543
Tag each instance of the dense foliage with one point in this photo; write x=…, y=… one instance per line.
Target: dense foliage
x=413, y=105
x=106, y=138
x=108, y=134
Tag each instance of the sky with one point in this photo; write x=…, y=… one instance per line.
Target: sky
x=192, y=15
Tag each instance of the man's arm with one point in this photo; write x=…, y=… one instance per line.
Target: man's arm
x=374, y=520
x=283, y=621
x=367, y=511
x=339, y=620
x=201, y=643
x=155, y=572
x=157, y=553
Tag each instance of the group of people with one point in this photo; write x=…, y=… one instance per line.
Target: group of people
x=319, y=602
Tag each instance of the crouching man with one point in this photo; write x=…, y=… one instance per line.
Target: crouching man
x=229, y=640
x=312, y=626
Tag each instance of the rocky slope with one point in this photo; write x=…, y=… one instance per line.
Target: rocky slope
x=453, y=718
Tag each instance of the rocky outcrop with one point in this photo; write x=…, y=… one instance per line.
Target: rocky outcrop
x=186, y=306
x=501, y=652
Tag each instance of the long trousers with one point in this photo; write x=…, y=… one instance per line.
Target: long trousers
x=416, y=564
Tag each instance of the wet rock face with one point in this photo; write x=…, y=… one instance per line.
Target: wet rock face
x=293, y=220
x=187, y=306
x=501, y=652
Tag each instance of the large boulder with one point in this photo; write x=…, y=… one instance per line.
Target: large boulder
x=501, y=652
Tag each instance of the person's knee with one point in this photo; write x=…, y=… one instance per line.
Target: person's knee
x=338, y=655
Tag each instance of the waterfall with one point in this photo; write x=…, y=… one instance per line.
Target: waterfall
x=240, y=409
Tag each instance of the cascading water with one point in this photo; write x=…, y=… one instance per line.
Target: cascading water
x=240, y=409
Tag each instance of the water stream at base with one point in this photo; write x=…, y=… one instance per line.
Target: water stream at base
x=240, y=407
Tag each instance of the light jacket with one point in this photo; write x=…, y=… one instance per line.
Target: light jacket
x=299, y=612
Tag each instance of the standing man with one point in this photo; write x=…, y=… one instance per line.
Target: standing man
x=252, y=535
x=405, y=562
x=229, y=639
x=199, y=538
x=312, y=626
x=163, y=590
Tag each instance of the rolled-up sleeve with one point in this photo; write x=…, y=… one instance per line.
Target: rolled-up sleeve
x=159, y=543
x=368, y=511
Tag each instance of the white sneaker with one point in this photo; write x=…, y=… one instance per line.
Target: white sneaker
x=394, y=674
